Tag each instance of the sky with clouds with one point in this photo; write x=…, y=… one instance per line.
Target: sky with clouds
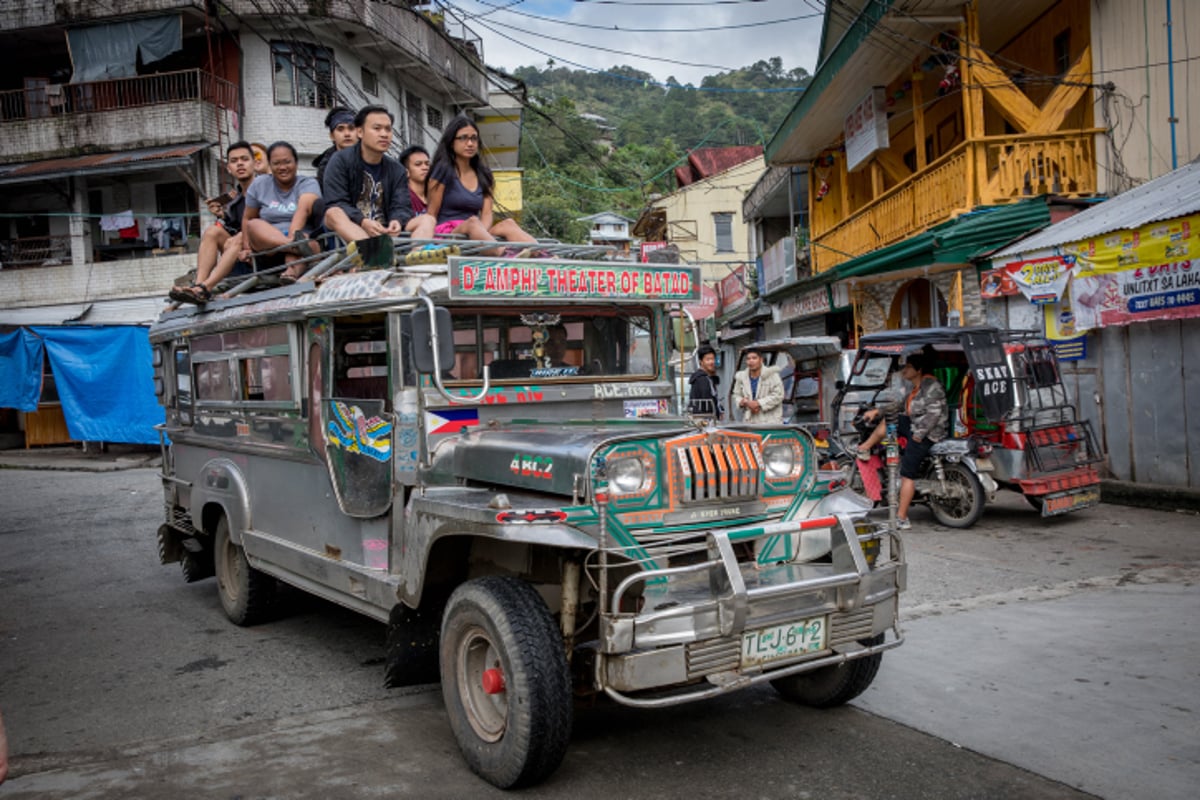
x=519, y=33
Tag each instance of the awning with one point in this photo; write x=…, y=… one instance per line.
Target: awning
x=100, y=163
x=125, y=311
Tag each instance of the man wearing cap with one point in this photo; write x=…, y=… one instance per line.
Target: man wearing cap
x=342, y=133
x=758, y=392
x=365, y=191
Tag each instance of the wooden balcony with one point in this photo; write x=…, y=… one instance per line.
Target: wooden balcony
x=993, y=170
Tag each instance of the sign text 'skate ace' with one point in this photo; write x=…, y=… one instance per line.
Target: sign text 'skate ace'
x=476, y=277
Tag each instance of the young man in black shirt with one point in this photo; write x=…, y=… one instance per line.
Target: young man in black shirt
x=365, y=191
x=705, y=382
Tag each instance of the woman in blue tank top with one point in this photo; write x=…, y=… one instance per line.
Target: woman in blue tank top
x=460, y=188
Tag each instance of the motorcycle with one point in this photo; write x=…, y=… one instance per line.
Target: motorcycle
x=953, y=480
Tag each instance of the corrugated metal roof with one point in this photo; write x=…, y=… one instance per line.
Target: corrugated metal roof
x=1172, y=195
x=146, y=158
x=125, y=311
x=704, y=162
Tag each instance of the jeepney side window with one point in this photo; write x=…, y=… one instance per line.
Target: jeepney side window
x=247, y=366
x=183, y=384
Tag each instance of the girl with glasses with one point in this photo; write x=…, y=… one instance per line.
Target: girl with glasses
x=460, y=189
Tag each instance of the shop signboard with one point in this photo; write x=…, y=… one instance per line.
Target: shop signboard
x=866, y=128
x=647, y=248
x=805, y=304
x=707, y=306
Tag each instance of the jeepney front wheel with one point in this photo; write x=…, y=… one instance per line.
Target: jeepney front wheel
x=828, y=687
x=505, y=681
x=246, y=594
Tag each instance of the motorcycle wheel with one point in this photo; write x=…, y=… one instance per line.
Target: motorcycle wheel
x=965, y=507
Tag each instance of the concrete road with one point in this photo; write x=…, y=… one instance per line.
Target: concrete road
x=1044, y=656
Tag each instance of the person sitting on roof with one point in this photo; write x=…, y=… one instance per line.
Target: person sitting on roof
x=279, y=210
x=416, y=162
x=221, y=244
x=342, y=134
x=366, y=191
x=460, y=189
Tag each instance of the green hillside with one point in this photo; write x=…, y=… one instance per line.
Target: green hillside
x=574, y=167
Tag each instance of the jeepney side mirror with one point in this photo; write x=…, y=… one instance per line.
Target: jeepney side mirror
x=426, y=331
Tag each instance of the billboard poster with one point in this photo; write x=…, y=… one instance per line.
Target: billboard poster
x=1137, y=275
x=866, y=128
x=733, y=290
x=1041, y=278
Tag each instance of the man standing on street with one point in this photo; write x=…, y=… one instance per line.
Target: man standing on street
x=758, y=392
x=705, y=396
x=365, y=191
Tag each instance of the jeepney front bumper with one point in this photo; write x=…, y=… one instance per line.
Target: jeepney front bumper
x=719, y=625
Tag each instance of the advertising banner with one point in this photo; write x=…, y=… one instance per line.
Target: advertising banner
x=1041, y=278
x=1137, y=275
x=733, y=290
x=649, y=247
x=779, y=265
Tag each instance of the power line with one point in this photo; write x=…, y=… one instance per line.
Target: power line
x=622, y=29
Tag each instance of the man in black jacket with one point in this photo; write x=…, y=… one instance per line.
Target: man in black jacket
x=365, y=191
x=705, y=382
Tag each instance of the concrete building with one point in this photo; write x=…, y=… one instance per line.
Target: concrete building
x=114, y=119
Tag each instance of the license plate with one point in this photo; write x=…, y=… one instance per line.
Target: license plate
x=792, y=639
x=984, y=465
x=1063, y=502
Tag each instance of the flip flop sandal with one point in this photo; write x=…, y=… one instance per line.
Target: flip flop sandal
x=197, y=294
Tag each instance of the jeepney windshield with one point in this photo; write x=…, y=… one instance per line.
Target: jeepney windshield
x=548, y=343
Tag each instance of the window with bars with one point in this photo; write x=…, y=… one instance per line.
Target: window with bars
x=303, y=75
x=433, y=118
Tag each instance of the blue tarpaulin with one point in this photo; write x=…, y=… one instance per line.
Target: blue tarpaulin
x=104, y=377
x=20, y=370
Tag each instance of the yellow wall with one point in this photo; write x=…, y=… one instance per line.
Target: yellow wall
x=507, y=193
x=690, y=212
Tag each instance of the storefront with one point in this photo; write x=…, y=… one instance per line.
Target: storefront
x=1117, y=289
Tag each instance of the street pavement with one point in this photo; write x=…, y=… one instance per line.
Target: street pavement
x=1044, y=659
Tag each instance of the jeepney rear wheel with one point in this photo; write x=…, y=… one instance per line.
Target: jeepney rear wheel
x=828, y=687
x=505, y=681
x=246, y=594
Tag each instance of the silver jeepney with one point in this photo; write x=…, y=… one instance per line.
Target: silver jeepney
x=529, y=531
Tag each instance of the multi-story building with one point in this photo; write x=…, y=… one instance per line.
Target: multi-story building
x=935, y=133
x=114, y=119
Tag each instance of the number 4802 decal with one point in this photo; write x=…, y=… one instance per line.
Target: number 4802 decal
x=532, y=466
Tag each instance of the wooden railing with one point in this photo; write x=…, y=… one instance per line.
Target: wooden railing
x=1029, y=165
x=989, y=171
x=144, y=90
x=909, y=207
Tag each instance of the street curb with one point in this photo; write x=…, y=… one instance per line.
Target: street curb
x=79, y=465
x=1150, y=495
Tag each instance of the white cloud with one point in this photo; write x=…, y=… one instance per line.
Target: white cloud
x=794, y=42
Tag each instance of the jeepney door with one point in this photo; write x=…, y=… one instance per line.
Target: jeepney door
x=359, y=426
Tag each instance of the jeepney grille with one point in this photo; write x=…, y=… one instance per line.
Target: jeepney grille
x=713, y=470
x=723, y=655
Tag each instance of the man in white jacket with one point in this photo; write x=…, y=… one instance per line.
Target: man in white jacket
x=758, y=392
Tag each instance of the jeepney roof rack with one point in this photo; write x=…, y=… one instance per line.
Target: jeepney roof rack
x=399, y=254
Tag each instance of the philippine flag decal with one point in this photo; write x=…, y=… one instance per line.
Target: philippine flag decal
x=451, y=420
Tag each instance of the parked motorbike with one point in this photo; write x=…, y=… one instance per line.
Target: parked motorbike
x=953, y=480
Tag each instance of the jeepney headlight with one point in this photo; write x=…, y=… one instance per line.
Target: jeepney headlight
x=626, y=475
x=779, y=459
